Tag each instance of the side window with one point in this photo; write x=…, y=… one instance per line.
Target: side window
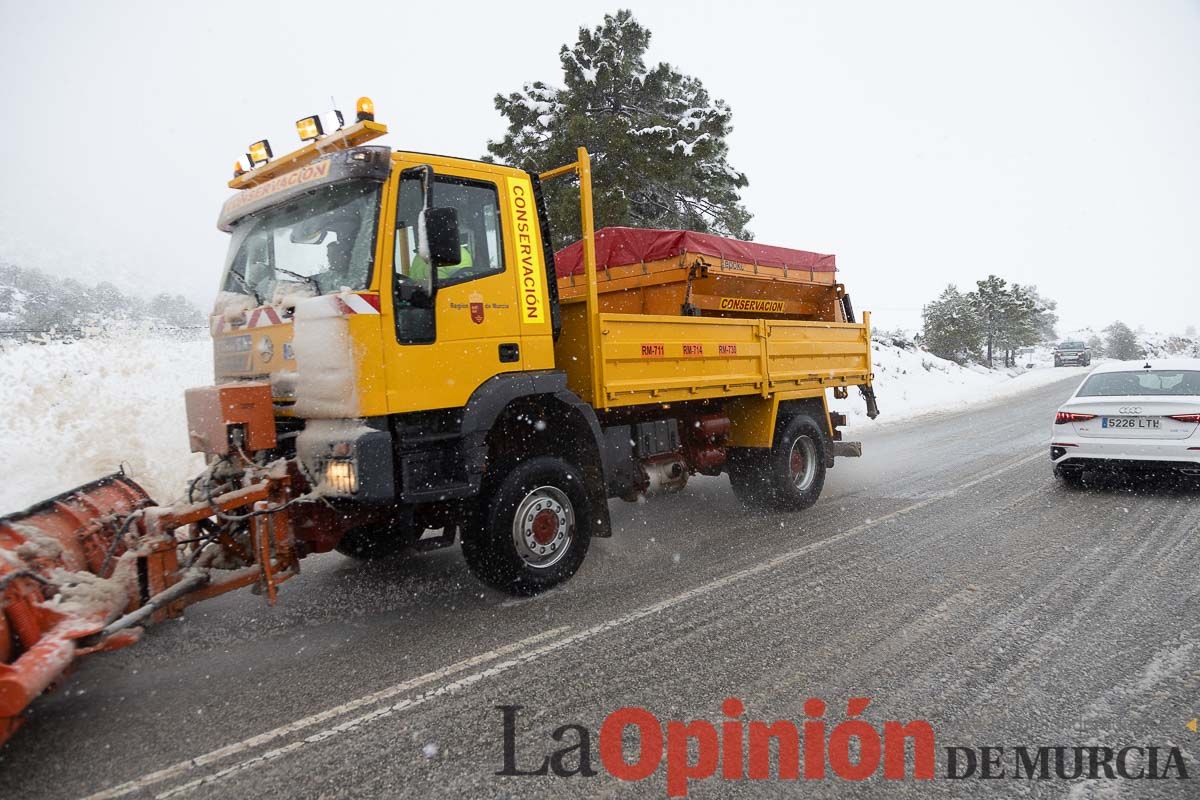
x=479, y=233
x=478, y=207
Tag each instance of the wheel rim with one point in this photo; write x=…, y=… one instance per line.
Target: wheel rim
x=543, y=527
x=802, y=463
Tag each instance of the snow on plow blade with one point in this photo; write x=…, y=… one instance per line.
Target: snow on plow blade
x=79, y=572
x=66, y=533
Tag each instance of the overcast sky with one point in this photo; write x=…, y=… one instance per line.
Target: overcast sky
x=923, y=143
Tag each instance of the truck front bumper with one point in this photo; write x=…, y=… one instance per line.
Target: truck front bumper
x=349, y=458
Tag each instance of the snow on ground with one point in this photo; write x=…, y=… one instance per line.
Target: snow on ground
x=74, y=411
x=1156, y=344
x=910, y=382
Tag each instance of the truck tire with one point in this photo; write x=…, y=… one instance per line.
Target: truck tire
x=533, y=528
x=747, y=468
x=789, y=476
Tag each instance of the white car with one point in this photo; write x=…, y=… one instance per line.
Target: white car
x=1142, y=415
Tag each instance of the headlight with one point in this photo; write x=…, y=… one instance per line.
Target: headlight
x=341, y=476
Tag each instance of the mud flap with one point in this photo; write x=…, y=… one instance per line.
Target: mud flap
x=847, y=449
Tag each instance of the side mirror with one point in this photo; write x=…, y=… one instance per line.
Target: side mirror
x=441, y=236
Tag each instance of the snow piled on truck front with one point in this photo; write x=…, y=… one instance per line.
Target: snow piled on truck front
x=73, y=411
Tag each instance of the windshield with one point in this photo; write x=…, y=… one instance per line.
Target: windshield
x=319, y=243
x=1071, y=346
x=1172, y=383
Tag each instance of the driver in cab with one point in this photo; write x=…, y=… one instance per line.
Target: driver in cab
x=418, y=270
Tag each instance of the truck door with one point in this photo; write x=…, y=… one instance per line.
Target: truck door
x=436, y=357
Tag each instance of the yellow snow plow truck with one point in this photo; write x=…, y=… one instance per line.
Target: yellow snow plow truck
x=402, y=361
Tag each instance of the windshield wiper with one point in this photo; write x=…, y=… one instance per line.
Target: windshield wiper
x=306, y=278
x=246, y=286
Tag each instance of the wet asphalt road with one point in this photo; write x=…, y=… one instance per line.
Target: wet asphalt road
x=945, y=575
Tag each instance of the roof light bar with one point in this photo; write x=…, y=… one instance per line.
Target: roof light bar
x=365, y=108
x=260, y=153
x=310, y=128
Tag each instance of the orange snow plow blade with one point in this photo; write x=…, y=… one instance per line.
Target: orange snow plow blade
x=80, y=572
x=67, y=532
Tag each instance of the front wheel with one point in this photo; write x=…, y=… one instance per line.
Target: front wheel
x=533, y=529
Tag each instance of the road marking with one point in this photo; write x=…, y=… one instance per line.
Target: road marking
x=520, y=659
x=324, y=716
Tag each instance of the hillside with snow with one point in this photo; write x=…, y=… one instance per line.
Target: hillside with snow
x=1156, y=344
x=910, y=382
x=77, y=410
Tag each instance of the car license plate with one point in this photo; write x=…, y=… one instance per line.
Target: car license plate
x=1139, y=423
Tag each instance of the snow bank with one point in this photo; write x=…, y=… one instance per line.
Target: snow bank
x=911, y=382
x=73, y=411
x=1156, y=344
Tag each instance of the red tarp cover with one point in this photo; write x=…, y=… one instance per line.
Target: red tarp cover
x=619, y=246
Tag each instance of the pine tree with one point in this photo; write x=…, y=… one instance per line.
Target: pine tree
x=952, y=327
x=993, y=302
x=1121, y=342
x=1028, y=318
x=656, y=138
x=174, y=310
x=1045, y=321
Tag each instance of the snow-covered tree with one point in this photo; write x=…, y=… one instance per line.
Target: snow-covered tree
x=1096, y=345
x=1028, y=318
x=952, y=327
x=33, y=302
x=1121, y=342
x=1043, y=319
x=993, y=302
x=656, y=137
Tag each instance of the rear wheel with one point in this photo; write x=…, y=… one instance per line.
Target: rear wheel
x=789, y=476
x=533, y=529
x=1069, y=477
x=747, y=469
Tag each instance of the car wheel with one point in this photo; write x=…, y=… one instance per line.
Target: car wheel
x=1072, y=478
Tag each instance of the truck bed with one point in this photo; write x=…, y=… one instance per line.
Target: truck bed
x=661, y=359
